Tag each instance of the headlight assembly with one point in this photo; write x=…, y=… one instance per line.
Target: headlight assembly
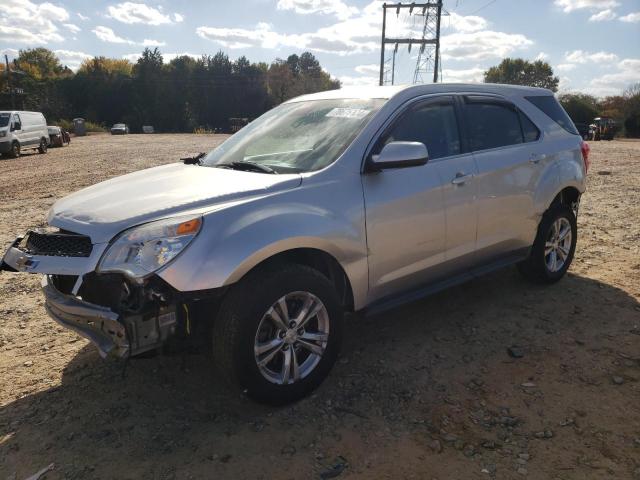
x=142, y=250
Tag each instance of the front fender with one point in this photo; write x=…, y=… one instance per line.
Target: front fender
x=234, y=240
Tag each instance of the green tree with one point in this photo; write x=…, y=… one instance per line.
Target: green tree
x=517, y=71
x=582, y=108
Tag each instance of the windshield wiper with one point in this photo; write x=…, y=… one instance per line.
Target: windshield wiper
x=197, y=160
x=248, y=166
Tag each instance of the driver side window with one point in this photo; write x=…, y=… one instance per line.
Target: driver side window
x=433, y=124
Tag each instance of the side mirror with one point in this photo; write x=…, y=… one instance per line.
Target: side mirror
x=16, y=126
x=400, y=155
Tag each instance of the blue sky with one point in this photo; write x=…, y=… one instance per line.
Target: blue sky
x=593, y=45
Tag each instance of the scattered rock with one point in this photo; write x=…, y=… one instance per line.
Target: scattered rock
x=522, y=471
x=336, y=469
x=515, y=352
x=288, y=450
x=469, y=450
x=524, y=456
x=28, y=363
x=436, y=446
x=604, y=172
x=617, y=380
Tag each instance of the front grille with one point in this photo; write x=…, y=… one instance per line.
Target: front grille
x=60, y=244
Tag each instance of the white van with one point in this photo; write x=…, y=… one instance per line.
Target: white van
x=22, y=130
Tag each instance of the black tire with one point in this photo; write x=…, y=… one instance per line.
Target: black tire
x=236, y=327
x=15, y=150
x=535, y=267
x=43, y=146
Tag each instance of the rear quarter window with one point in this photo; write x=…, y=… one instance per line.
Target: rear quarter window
x=552, y=109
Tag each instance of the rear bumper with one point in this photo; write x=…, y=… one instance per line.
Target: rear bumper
x=98, y=324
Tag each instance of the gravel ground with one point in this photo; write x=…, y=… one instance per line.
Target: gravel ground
x=426, y=391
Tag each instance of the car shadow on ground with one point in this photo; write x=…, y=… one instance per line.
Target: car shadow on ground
x=393, y=364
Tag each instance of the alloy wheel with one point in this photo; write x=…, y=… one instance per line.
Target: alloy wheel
x=291, y=338
x=558, y=245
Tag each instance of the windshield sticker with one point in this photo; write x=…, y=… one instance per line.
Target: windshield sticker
x=357, y=113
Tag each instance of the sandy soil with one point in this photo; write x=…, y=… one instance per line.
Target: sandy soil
x=424, y=391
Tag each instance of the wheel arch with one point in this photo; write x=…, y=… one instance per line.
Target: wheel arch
x=317, y=259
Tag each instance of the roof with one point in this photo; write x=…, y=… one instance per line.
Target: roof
x=388, y=91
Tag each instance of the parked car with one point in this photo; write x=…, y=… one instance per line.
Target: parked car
x=347, y=200
x=119, y=129
x=583, y=130
x=21, y=131
x=58, y=137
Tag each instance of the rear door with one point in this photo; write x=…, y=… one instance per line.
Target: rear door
x=509, y=158
x=409, y=236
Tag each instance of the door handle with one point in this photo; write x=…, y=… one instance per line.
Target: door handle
x=461, y=178
x=535, y=158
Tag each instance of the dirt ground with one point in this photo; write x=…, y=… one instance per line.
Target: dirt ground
x=426, y=391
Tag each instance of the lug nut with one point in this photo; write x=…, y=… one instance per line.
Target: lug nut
x=301, y=331
x=281, y=334
x=292, y=324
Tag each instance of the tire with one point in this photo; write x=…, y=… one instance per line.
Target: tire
x=244, y=324
x=43, y=146
x=15, y=150
x=539, y=267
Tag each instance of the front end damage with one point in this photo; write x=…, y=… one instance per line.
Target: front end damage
x=120, y=316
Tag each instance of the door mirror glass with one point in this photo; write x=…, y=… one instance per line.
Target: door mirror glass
x=400, y=155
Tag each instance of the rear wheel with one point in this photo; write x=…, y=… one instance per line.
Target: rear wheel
x=278, y=333
x=554, y=247
x=43, y=146
x=15, y=150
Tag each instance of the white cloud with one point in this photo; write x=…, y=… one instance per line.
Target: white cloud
x=22, y=21
x=108, y=35
x=71, y=58
x=566, y=67
x=603, y=16
x=466, y=24
x=631, y=18
x=469, y=75
x=152, y=43
x=82, y=17
x=329, y=7
x=580, y=56
x=130, y=12
x=571, y=5
x=349, y=81
x=132, y=57
x=627, y=73
x=372, y=68
x=542, y=56
x=167, y=57
x=178, y=18
x=72, y=27
x=481, y=45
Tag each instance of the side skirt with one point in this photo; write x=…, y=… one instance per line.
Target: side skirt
x=413, y=295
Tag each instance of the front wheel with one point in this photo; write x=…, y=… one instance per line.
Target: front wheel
x=43, y=146
x=554, y=246
x=278, y=333
x=15, y=150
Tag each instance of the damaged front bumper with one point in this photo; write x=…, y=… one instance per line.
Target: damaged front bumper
x=95, y=323
x=121, y=317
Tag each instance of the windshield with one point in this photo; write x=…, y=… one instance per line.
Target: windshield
x=298, y=136
x=4, y=119
x=119, y=125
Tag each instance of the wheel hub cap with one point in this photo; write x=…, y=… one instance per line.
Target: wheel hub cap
x=291, y=338
x=558, y=245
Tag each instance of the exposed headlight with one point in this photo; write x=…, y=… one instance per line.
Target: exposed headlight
x=142, y=250
x=3, y=133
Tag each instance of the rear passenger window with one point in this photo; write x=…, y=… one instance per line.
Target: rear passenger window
x=433, y=124
x=529, y=130
x=492, y=125
x=550, y=106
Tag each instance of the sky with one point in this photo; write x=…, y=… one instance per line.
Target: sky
x=592, y=45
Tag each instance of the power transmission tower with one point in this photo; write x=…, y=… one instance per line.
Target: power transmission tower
x=428, y=59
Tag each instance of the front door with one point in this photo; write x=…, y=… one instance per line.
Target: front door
x=410, y=234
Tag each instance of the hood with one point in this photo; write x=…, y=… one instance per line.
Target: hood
x=107, y=208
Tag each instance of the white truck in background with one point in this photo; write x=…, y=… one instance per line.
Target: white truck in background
x=21, y=131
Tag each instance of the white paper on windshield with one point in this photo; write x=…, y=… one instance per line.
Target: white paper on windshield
x=339, y=112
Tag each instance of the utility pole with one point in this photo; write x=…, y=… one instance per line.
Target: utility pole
x=429, y=52
x=13, y=101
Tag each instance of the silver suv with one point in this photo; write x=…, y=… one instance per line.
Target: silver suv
x=339, y=201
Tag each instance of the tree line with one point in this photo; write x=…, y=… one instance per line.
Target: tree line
x=179, y=96
x=581, y=107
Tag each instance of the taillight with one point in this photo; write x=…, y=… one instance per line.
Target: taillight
x=585, y=155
